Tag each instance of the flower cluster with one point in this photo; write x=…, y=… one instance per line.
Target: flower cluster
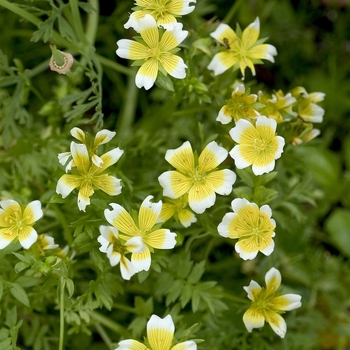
x=87, y=169
x=160, y=336
x=138, y=237
x=155, y=51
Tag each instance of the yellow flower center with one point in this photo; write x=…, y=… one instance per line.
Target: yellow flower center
x=15, y=222
x=259, y=144
x=198, y=177
x=155, y=52
x=158, y=8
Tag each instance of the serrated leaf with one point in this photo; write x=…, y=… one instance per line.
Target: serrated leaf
x=196, y=272
x=186, y=295
x=174, y=292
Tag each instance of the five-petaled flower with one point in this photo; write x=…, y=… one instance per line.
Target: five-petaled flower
x=240, y=51
x=116, y=248
x=160, y=336
x=145, y=227
x=253, y=227
x=199, y=178
x=86, y=176
x=18, y=223
x=267, y=306
x=163, y=11
x=154, y=53
x=308, y=110
x=179, y=209
x=242, y=104
x=101, y=138
x=257, y=145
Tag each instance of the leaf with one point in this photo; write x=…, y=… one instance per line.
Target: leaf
x=164, y=82
x=196, y=272
x=337, y=225
x=70, y=287
x=20, y=294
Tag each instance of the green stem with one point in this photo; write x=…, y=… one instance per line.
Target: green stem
x=107, y=322
x=103, y=334
x=232, y=11
x=78, y=25
x=235, y=299
x=115, y=66
x=62, y=285
x=92, y=22
x=63, y=221
x=21, y=12
x=124, y=308
x=126, y=118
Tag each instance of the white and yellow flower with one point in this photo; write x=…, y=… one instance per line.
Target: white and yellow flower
x=308, y=109
x=88, y=177
x=155, y=53
x=278, y=106
x=115, y=249
x=163, y=11
x=16, y=223
x=179, y=209
x=199, y=178
x=242, y=104
x=101, y=138
x=152, y=236
x=160, y=336
x=267, y=306
x=240, y=51
x=252, y=226
x=258, y=144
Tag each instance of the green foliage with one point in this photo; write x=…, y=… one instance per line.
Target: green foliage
x=70, y=296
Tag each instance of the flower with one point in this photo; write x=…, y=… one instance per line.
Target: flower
x=253, y=227
x=241, y=51
x=308, y=110
x=160, y=336
x=242, y=104
x=18, y=223
x=87, y=176
x=145, y=227
x=199, y=178
x=278, y=106
x=179, y=208
x=163, y=11
x=46, y=242
x=155, y=53
x=116, y=249
x=101, y=138
x=267, y=306
x=257, y=145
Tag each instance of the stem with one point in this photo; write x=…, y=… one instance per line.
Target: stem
x=21, y=12
x=92, y=22
x=62, y=285
x=103, y=334
x=114, y=65
x=107, y=322
x=127, y=116
x=63, y=221
x=233, y=10
x=233, y=298
x=77, y=20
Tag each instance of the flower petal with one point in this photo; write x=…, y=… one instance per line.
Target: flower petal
x=224, y=228
x=221, y=181
x=168, y=210
x=63, y=157
x=264, y=51
x=181, y=158
x=161, y=239
x=286, y=302
x=127, y=269
x=160, y=332
x=252, y=318
x=109, y=184
x=80, y=156
x=141, y=261
x=251, y=34
x=78, y=134
x=27, y=236
x=67, y=183
x=273, y=280
x=174, y=184
x=6, y=237
x=149, y=213
x=236, y=155
x=173, y=38
x=277, y=323
x=211, y=157
x=131, y=344
x=174, y=65
x=131, y=50
x=113, y=256
x=135, y=244
x=133, y=21
x=187, y=345
x=84, y=194
x=253, y=290
x=222, y=61
x=201, y=197
x=241, y=126
x=149, y=30
x=222, y=117
x=246, y=248
x=121, y=219
x=32, y=212
x=147, y=74
x=103, y=137
x=224, y=34
x=186, y=217
x=110, y=158
x=239, y=203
